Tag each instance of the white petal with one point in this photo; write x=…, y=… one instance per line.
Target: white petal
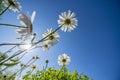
x=69, y=13
x=33, y=16
x=24, y=19
x=21, y=31
x=72, y=15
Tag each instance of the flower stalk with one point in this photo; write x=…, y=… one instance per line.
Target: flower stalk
x=11, y=25
x=5, y=10
x=22, y=68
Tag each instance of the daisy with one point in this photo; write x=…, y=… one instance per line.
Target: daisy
x=33, y=67
x=67, y=21
x=26, y=21
x=23, y=65
x=46, y=47
x=46, y=61
x=12, y=4
x=63, y=59
x=51, y=39
x=36, y=57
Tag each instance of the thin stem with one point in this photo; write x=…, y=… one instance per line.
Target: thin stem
x=59, y=72
x=24, y=44
x=22, y=56
x=16, y=54
x=33, y=39
x=9, y=50
x=5, y=10
x=46, y=66
x=48, y=35
x=35, y=43
x=4, y=69
x=22, y=68
x=45, y=70
x=5, y=53
x=11, y=57
x=13, y=25
x=28, y=63
x=5, y=44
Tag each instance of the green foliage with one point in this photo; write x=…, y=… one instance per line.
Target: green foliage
x=53, y=74
x=1, y=6
x=6, y=76
x=3, y=56
x=10, y=64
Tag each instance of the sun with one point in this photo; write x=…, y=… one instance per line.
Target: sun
x=27, y=46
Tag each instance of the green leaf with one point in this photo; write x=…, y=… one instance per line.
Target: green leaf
x=10, y=64
x=53, y=74
x=3, y=56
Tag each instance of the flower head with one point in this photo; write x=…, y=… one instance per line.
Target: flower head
x=33, y=67
x=14, y=5
x=36, y=57
x=67, y=21
x=23, y=65
x=46, y=46
x=63, y=59
x=27, y=22
x=52, y=38
x=46, y=61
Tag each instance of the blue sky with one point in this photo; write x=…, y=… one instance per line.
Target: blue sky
x=94, y=46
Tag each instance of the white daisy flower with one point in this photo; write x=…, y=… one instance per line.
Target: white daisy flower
x=67, y=21
x=63, y=59
x=33, y=67
x=26, y=21
x=51, y=39
x=14, y=5
x=46, y=47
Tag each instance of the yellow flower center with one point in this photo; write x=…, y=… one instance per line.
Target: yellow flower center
x=11, y=3
x=67, y=21
x=46, y=46
x=33, y=67
x=51, y=37
x=64, y=60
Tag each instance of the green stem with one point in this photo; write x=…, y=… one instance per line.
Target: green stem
x=8, y=51
x=28, y=63
x=45, y=70
x=48, y=35
x=46, y=66
x=24, y=44
x=13, y=25
x=58, y=72
x=3, y=44
x=16, y=54
x=4, y=69
x=22, y=68
x=17, y=44
x=12, y=57
x=5, y=10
